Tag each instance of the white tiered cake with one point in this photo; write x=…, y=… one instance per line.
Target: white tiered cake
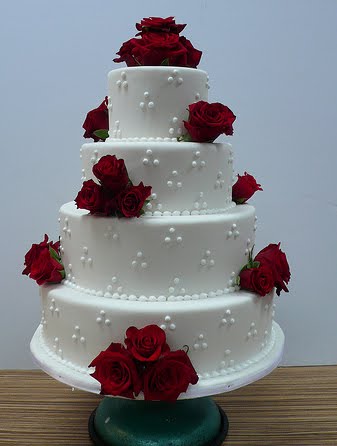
x=177, y=265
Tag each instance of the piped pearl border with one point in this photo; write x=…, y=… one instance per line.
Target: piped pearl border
x=202, y=376
x=143, y=298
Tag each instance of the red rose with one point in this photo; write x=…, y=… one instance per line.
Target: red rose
x=207, y=121
x=131, y=201
x=167, y=378
x=126, y=53
x=155, y=48
x=146, y=344
x=96, y=119
x=90, y=197
x=244, y=188
x=158, y=24
x=46, y=269
x=111, y=173
x=117, y=372
x=276, y=260
x=260, y=279
x=193, y=55
x=36, y=250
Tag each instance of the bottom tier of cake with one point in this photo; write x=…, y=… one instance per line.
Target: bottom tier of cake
x=230, y=338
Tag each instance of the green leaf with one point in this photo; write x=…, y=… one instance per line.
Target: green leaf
x=165, y=62
x=255, y=264
x=238, y=280
x=185, y=138
x=54, y=254
x=102, y=134
x=240, y=200
x=63, y=274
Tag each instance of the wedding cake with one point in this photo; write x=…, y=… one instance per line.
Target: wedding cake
x=154, y=274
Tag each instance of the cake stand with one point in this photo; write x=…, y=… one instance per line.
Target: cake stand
x=193, y=420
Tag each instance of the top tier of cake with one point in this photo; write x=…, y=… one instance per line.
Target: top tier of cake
x=152, y=102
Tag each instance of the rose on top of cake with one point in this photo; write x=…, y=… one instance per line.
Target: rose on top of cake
x=158, y=43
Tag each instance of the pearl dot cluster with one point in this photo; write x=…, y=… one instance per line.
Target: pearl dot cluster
x=94, y=157
x=172, y=289
x=174, y=182
x=77, y=335
x=228, y=318
x=53, y=308
x=168, y=324
x=233, y=232
x=56, y=347
x=232, y=281
x=122, y=83
x=173, y=127
x=207, y=261
x=102, y=319
x=175, y=79
x=66, y=230
x=111, y=234
x=197, y=162
x=116, y=132
x=248, y=244
x=255, y=225
x=146, y=103
x=252, y=333
x=85, y=259
x=149, y=159
x=109, y=103
x=171, y=237
x=200, y=343
x=139, y=261
x=219, y=182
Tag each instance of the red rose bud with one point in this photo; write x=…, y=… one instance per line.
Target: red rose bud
x=146, y=344
x=35, y=251
x=90, y=197
x=276, y=260
x=244, y=188
x=117, y=372
x=167, y=378
x=160, y=25
x=96, y=119
x=131, y=201
x=154, y=49
x=46, y=269
x=260, y=280
x=111, y=173
x=207, y=121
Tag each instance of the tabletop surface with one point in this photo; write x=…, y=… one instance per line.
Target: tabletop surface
x=291, y=406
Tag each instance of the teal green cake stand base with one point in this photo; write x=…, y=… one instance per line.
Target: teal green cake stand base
x=191, y=422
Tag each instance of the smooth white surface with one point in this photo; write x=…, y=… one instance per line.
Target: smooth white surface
x=150, y=256
x=153, y=101
x=229, y=338
x=184, y=176
x=60, y=370
x=273, y=63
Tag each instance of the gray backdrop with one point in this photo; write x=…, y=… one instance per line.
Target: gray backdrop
x=273, y=62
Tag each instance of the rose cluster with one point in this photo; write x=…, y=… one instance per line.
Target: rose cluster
x=267, y=270
x=115, y=195
x=96, y=123
x=208, y=121
x=159, y=43
x=43, y=262
x=146, y=364
x=244, y=188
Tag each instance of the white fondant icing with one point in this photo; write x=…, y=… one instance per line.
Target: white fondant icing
x=139, y=259
x=172, y=92
x=168, y=169
x=195, y=324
